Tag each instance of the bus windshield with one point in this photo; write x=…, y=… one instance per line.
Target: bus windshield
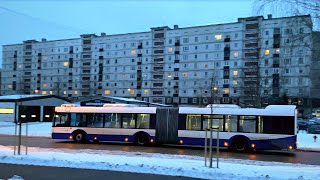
x=61, y=120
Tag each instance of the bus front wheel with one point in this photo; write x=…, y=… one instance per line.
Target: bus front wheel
x=79, y=137
x=141, y=139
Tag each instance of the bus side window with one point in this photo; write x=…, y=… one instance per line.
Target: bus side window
x=73, y=119
x=143, y=121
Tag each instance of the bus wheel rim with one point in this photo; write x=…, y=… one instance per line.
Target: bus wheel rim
x=79, y=137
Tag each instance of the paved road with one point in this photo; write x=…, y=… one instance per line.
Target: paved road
x=29, y=172
x=291, y=157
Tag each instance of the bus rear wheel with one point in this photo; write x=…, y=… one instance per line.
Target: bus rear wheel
x=240, y=144
x=141, y=139
x=79, y=137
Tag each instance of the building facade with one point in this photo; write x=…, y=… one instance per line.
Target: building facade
x=244, y=62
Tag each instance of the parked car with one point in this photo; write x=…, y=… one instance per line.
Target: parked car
x=302, y=124
x=314, y=129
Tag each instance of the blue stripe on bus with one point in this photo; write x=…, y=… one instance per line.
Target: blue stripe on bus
x=270, y=144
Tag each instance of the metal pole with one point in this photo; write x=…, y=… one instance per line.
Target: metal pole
x=205, y=147
x=26, y=138
x=15, y=138
x=218, y=139
x=210, y=152
x=19, y=143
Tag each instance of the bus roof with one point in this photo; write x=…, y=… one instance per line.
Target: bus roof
x=271, y=110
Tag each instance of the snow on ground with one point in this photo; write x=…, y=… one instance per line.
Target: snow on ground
x=34, y=128
x=175, y=165
x=305, y=141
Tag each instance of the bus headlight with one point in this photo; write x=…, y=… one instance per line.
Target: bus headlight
x=126, y=139
x=253, y=145
x=226, y=144
x=151, y=140
x=290, y=147
x=181, y=141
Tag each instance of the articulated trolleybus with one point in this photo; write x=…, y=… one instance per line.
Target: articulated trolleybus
x=241, y=129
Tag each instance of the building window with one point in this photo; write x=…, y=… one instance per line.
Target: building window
x=226, y=90
x=235, y=82
x=267, y=33
x=146, y=91
x=185, y=74
x=133, y=52
x=36, y=91
x=66, y=63
x=235, y=54
x=185, y=49
x=64, y=92
x=185, y=40
x=44, y=85
x=44, y=92
x=195, y=39
x=169, y=49
x=300, y=61
x=218, y=36
x=267, y=52
x=277, y=51
x=235, y=73
x=75, y=92
x=106, y=91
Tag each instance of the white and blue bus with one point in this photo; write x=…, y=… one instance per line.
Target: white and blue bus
x=241, y=129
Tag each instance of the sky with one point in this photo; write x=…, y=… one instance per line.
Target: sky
x=60, y=19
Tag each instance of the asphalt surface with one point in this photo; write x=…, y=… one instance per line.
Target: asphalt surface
x=30, y=172
x=312, y=158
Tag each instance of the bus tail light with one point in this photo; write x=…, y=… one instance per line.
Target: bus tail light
x=226, y=144
x=181, y=141
x=70, y=137
x=126, y=139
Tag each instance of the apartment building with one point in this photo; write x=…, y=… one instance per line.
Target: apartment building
x=251, y=60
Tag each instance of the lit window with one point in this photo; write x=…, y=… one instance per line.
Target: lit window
x=9, y=86
x=133, y=52
x=185, y=74
x=225, y=90
x=44, y=92
x=146, y=91
x=66, y=63
x=64, y=92
x=170, y=49
x=44, y=85
x=36, y=91
x=131, y=91
x=235, y=73
x=75, y=92
x=6, y=111
x=235, y=82
x=169, y=75
x=51, y=92
x=106, y=91
x=277, y=51
x=218, y=36
x=266, y=52
x=236, y=54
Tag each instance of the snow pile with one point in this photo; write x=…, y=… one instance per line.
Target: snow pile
x=15, y=177
x=34, y=128
x=175, y=165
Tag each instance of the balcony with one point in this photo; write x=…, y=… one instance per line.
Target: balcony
x=176, y=52
x=176, y=78
x=176, y=61
x=276, y=36
x=227, y=39
x=177, y=43
x=140, y=46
